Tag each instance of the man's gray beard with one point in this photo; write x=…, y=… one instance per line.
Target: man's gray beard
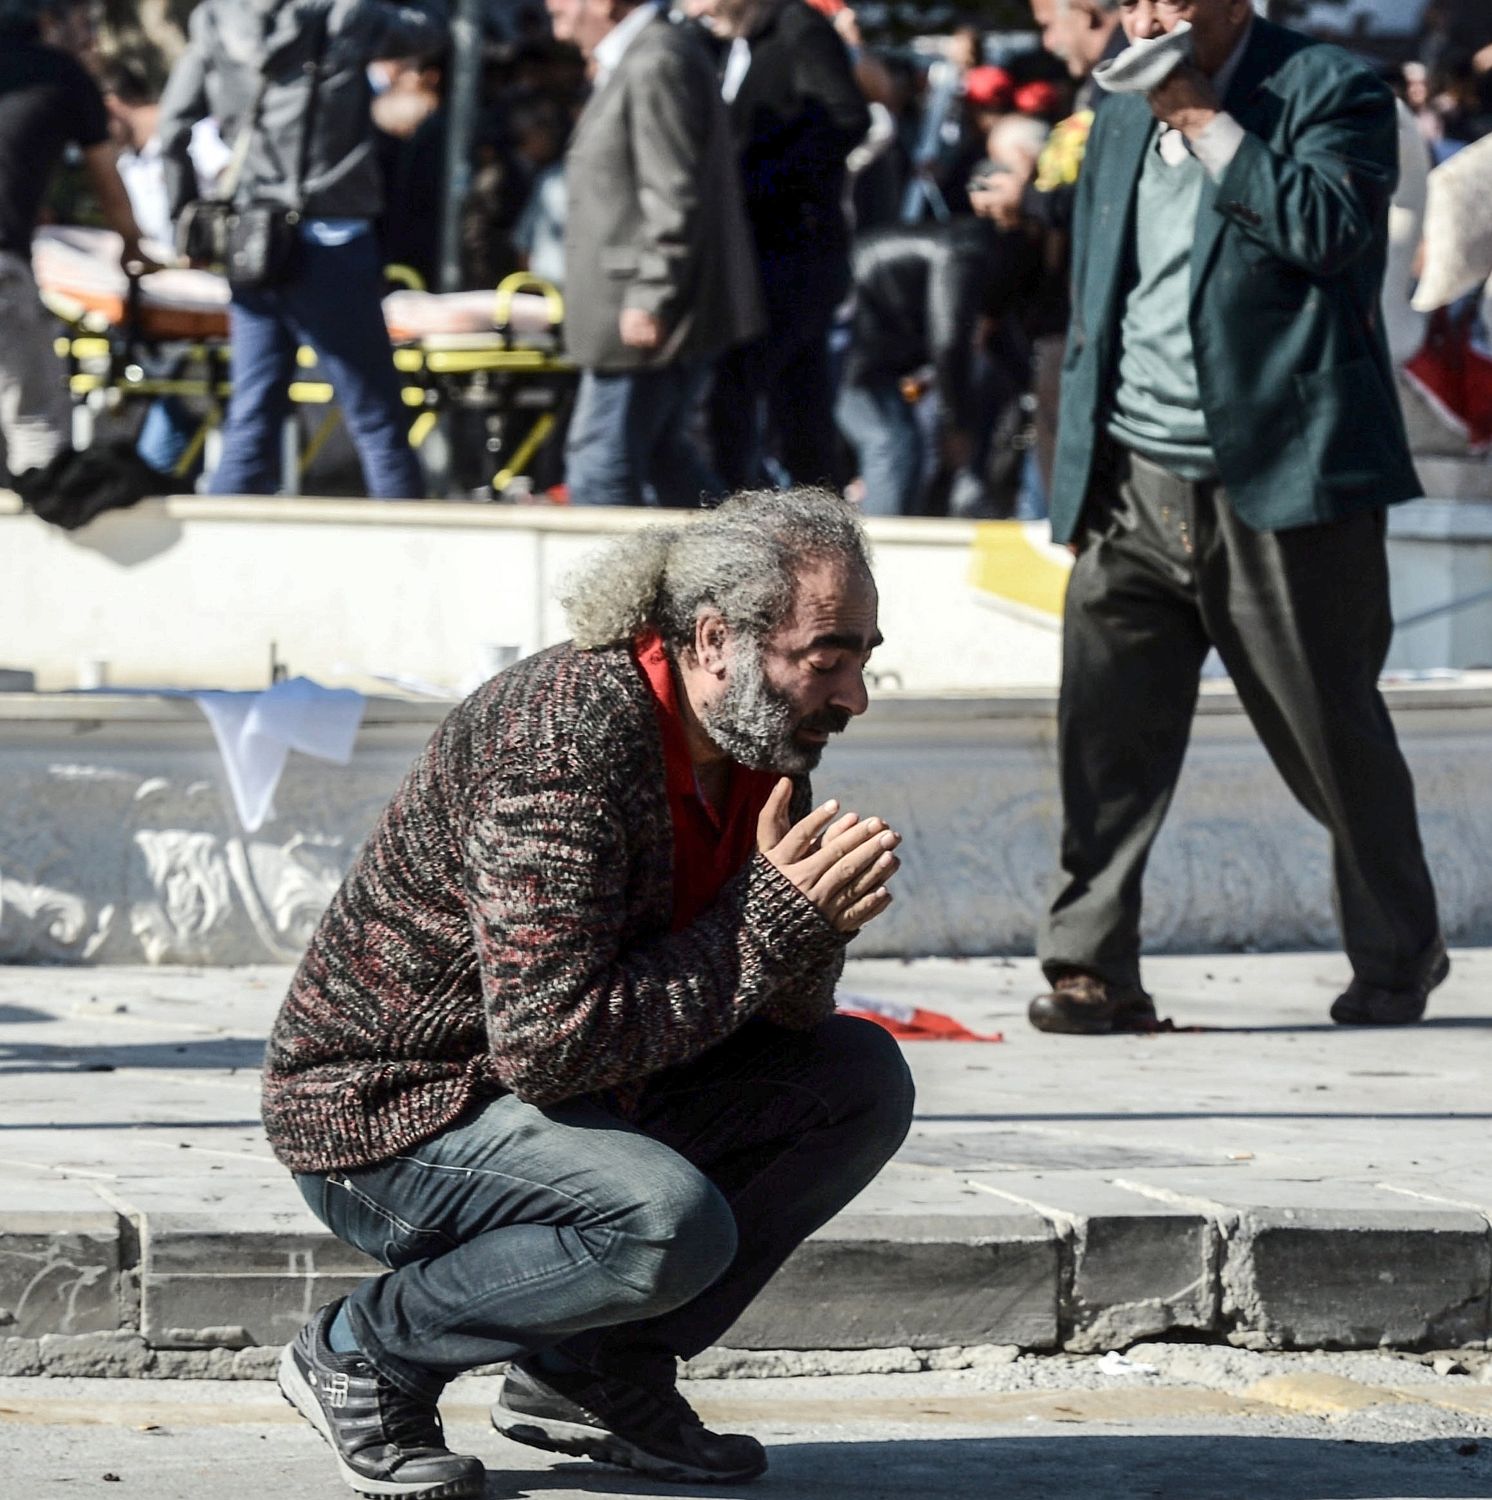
x=754, y=723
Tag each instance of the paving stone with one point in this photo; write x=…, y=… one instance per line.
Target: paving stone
x=1134, y=1267
x=60, y=1261
x=1343, y=1265
x=239, y=1280
x=1330, y=1280
x=924, y=1281
x=1339, y=1175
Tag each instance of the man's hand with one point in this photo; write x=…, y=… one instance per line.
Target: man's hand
x=1186, y=101
x=134, y=259
x=639, y=329
x=999, y=198
x=841, y=866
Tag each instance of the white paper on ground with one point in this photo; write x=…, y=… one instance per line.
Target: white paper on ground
x=1146, y=64
x=255, y=733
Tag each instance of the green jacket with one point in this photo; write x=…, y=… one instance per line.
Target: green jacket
x=1287, y=270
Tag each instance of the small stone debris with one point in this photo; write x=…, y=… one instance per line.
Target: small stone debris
x=111, y=1479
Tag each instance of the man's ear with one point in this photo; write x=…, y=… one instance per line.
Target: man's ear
x=711, y=642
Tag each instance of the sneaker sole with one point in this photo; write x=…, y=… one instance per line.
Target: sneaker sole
x=578, y=1441
x=302, y=1398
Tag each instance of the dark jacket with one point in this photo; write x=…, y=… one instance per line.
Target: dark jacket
x=1286, y=273
x=232, y=43
x=919, y=294
x=797, y=116
x=507, y=928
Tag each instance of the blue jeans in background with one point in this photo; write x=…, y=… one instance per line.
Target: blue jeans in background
x=630, y=439
x=881, y=426
x=165, y=435
x=333, y=302
x=620, y=1242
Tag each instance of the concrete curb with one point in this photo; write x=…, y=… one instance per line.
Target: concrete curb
x=86, y=1292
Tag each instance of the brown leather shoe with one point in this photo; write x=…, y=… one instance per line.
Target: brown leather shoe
x=1080, y=1004
x=1367, y=1005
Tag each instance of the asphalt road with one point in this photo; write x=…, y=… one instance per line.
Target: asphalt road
x=1196, y=1424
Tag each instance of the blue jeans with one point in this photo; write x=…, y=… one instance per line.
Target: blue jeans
x=630, y=439
x=882, y=427
x=333, y=302
x=165, y=434
x=624, y=1243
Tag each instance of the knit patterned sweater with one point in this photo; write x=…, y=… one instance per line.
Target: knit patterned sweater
x=506, y=928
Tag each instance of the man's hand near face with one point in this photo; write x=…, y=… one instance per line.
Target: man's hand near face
x=1186, y=101
x=842, y=866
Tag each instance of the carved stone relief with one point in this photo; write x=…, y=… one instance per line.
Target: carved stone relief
x=125, y=849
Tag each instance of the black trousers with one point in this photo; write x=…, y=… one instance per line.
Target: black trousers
x=783, y=377
x=1301, y=621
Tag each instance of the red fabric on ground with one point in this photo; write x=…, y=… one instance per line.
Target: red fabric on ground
x=910, y=1023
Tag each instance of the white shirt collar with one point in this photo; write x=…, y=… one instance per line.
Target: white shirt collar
x=613, y=46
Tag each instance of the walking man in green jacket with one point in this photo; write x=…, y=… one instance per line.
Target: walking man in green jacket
x=1229, y=439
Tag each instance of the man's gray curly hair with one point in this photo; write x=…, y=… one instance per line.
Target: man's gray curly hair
x=743, y=559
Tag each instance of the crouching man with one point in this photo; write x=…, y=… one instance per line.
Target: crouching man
x=563, y=1053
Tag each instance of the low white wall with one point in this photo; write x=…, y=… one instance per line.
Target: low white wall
x=191, y=592
x=118, y=842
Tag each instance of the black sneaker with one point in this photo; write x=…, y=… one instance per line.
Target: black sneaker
x=386, y=1443
x=651, y=1429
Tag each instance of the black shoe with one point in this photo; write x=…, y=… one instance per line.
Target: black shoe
x=386, y=1443
x=1082, y=1004
x=651, y=1429
x=1367, y=1005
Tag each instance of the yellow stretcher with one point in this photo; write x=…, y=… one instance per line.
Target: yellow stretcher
x=493, y=362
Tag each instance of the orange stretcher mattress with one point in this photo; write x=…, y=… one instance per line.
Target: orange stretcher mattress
x=78, y=271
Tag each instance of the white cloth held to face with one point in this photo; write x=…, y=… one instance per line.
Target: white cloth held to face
x=1146, y=64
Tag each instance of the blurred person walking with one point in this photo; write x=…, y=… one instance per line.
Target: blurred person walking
x=658, y=269
x=796, y=113
x=48, y=101
x=1083, y=33
x=925, y=295
x=1230, y=437
x=165, y=435
x=287, y=81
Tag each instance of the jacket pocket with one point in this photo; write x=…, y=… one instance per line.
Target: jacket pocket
x=1349, y=426
x=621, y=262
x=354, y=1214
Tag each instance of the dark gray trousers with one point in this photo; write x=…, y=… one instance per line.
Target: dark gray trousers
x=1301, y=620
